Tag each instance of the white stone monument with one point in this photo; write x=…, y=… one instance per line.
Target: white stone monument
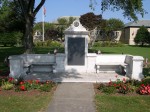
x=76, y=47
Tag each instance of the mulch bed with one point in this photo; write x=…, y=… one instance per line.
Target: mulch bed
x=29, y=93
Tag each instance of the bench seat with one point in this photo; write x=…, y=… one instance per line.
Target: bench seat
x=43, y=63
x=122, y=65
x=104, y=63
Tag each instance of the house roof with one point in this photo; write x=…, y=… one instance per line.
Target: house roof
x=138, y=23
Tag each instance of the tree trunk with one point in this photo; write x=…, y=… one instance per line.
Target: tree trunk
x=28, y=37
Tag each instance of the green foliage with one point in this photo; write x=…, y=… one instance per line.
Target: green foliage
x=47, y=26
x=93, y=50
x=90, y=20
x=142, y=37
x=133, y=82
x=130, y=7
x=11, y=18
x=52, y=34
x=107, y=44
x=146, y=81
x=118, y=86
x=146, y=71
x=6, y=84
x=109, y=90
x=12, y=38
x=46, y=87
x=114, y=24
x=48, y=43
x=124, y=88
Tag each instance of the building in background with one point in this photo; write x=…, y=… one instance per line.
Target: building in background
x=129, y=32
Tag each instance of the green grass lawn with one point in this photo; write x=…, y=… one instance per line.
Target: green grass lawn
x=7, y=51
x=24, y=103
x=133, y=50
x=110, y=103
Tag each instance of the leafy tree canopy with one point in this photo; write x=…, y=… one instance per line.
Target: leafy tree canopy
x=11, y=18
x=130, y=8
x=114, y=24
x=90, y=20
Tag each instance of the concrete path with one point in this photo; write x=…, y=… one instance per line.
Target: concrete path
x=73, y=97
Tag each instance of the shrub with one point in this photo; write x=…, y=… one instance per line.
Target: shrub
x=55, y=44
x=7, y=84
x=146, y=71
x=101, y=86
x=144, y=89
x=133, y=82
x=146, y=81
x=109, y=89
x=38, y=43
x=46, y=86
x=12, y=38
x=28, y=85
x=107, y=44
x=124, y=88
x=92, y=50
x=48, y=43
x=142, y=36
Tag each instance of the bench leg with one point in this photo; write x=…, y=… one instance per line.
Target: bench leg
x=97, y=68
x=122, y=70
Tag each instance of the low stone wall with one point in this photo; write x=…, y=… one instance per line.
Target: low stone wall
x=133, y=69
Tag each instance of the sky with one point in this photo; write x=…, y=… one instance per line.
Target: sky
x=58, y=8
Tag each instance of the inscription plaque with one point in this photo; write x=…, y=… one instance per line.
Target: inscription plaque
x=76, y=51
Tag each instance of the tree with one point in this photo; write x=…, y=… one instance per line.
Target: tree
x=38, y=26
x=29, y=12
x=10, y=18
x=130, y=8
x=111, y=25
x=90, y=20
x=142, y=37
x=52, y=34
x=114, y=24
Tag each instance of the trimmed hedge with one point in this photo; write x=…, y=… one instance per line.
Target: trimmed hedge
x=48, y=43
x=107, y=44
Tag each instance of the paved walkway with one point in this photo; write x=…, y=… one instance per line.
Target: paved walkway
x=73, y=97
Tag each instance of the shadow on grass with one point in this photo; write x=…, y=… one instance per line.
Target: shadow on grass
x=145, y=46
x=7, y=51
x=109, y=53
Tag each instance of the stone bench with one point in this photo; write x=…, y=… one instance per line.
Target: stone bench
x=39, y=62
x=111, y=60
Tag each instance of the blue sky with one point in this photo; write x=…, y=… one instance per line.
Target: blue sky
x=58, y=8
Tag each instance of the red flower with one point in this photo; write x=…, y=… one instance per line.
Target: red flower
x=10, y=79
x=21, y=83
x=29, y=81
x=142, y=85
x=124, y=87
x=22, y=87
x=115, y=85
x=37, y=81
x=124, y=79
